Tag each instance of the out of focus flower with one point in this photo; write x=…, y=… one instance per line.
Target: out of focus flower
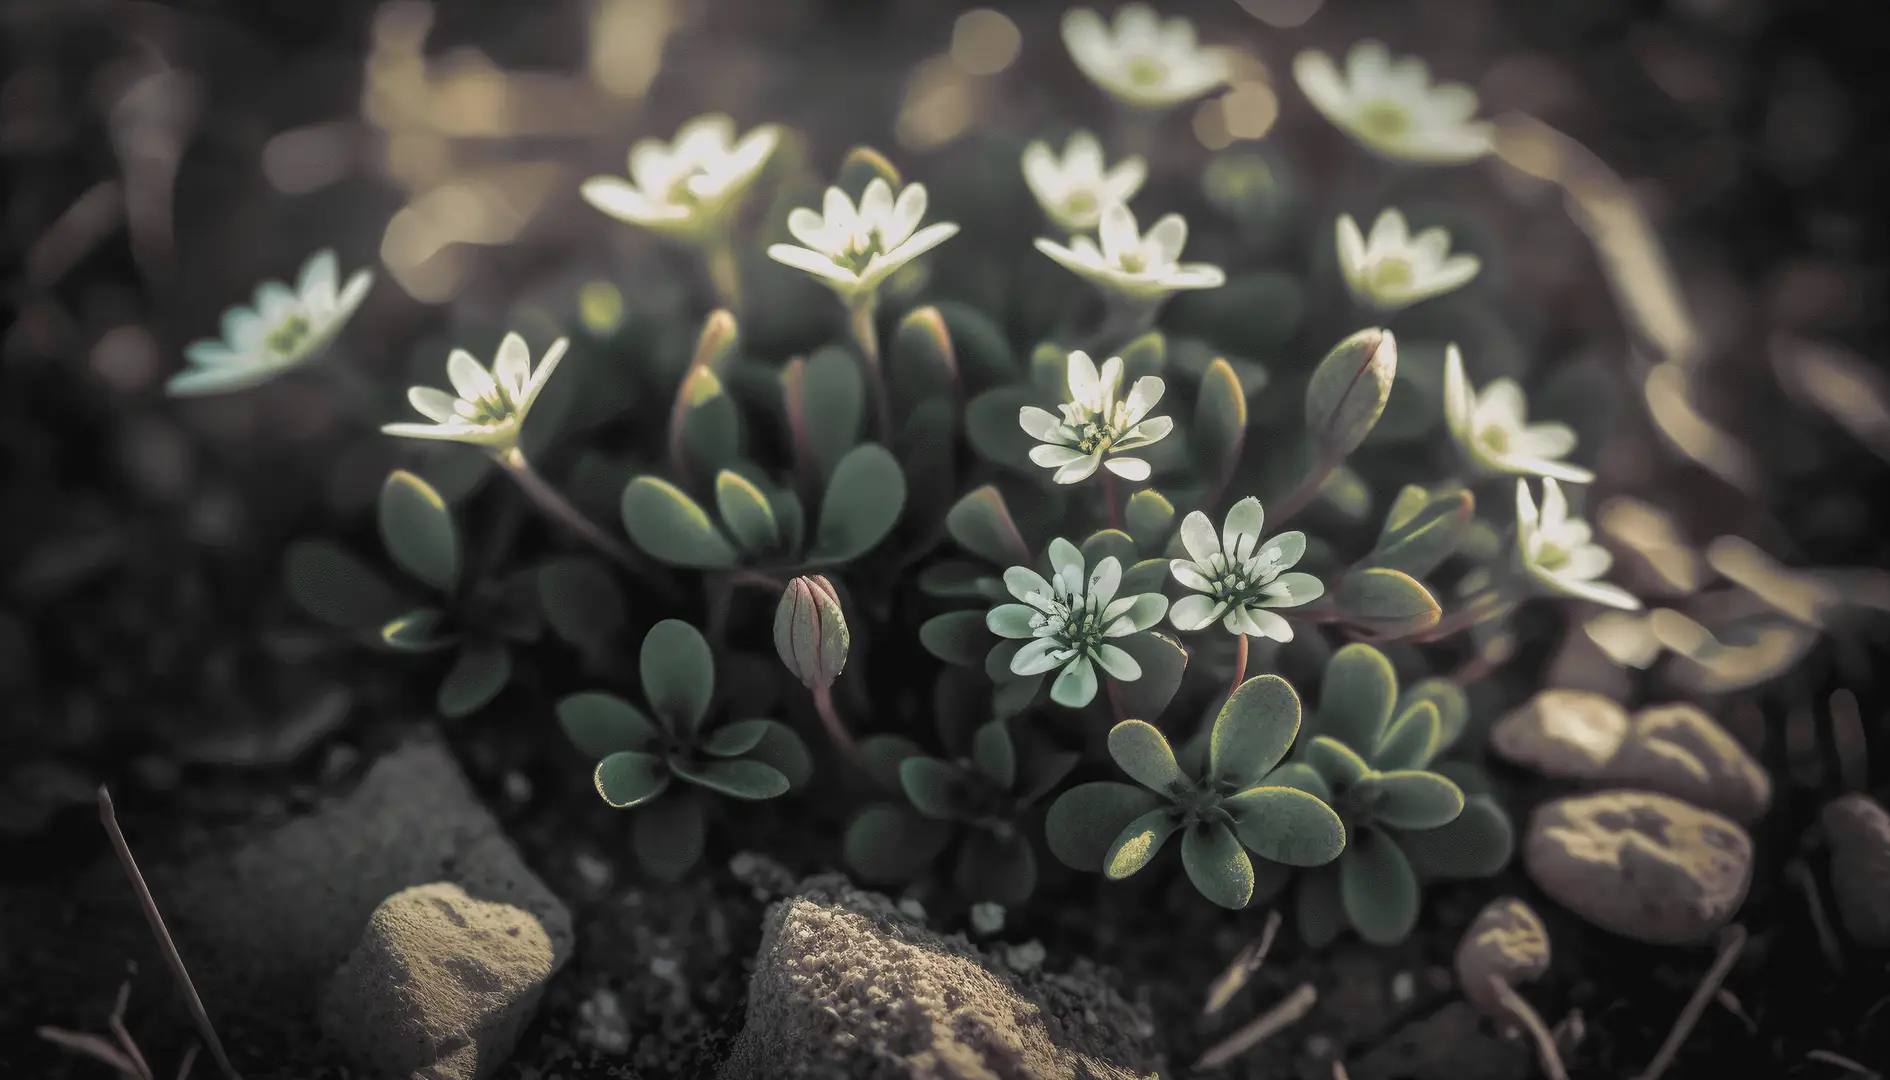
x=1137, y=267
x=283, y=328
x=1143, y=61
x=1236, y=577
x=1075, y=190
x=1491, y=428
x=1391, y=269
x=1558, y=552
x=854, y=250
x=1392, y=107
x=492, y=405
x=690, y=187
x=1095, y=426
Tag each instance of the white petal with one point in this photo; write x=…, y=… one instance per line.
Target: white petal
x=1501, y=402
x=1460, y=401
x=1055, y=455
x=1547, y=440
x=1554, y=505
x=1241, y=533
x=1042, y=175
x=1600, y=592
x=876, y=205
x=837, y=211
x=1284, y=550
x=547, y=364
x=1585, y=563
x=1117, y=663
x=1351, y=248
x=434, y=404
x=318, y=280
x=1066, y=558
x=1026, y=584
x=1259, y=622
x=1534, y=466
x=1122, y=182
x=651, y=166
x=1455, y=273
x=1195, y=612
x=907, y=212
x=1085, y=381
x=1104, y=580
x=1076, y=687
x=1078, y=471
x=1116, y=233
x=1012, y=621
x=1152, y=430
x=813, y=262
x=1039, y=424
x=512, y=369
x=919, y=243
x=1197, y=536
x=617, y=198
x=1390, y=234
x=811, y=230
x=1087, y=37
x=1133, y=469
x=1319, y=79
x=1037, y=657
x=1528, y=522
x=1082, y=156
x=1169, y=236
x=1190, y=575
x=469, y=377
x=1195, y=276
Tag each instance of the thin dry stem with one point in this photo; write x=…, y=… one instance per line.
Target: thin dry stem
x=1244, y=965
x=1732, y=943
x=1525, y=1014
x=1291, y=1010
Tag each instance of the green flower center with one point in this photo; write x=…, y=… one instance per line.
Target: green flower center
x=860, y=249
x=1146, y=71
x=1080, y=204
x=1495, y=438
x=1384, y=118
x=1093, y=438
x=1552, y=557
x=1390, y=275
x=288, y=335
x=1132, y=262
x=490, y=410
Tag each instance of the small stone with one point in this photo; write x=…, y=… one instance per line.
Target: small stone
x=1025, y=958
x=1644, y=865
x=440, y=984
x=1507, y=941
x=987, y=918
x=594, y=874
x=1859, y=831
x=1674, y=749
x=1403, y=988
x=764, y=875
x=912, y=909
x=602, y=1024
x=518, y=788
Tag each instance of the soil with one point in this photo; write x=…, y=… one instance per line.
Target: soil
x=146, y=642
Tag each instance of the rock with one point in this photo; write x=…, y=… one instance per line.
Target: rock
x=1859, y=831
x=1674, y=749
x=1644, y=865
x=1452, y=1043
x=1507, y=941
x=439, y=986
x=265, y=920
x=847, y=987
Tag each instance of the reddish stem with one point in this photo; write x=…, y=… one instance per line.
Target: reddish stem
x=1240, y=669
x=1109, y=500
x=836, y=731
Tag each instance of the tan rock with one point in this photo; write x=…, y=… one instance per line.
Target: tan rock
x=1506, y=940
x=1644, y=865
x=1568, y=734
x=1859, y=831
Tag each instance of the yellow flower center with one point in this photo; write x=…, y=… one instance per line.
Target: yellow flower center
x=1384, y=118
x=1146, y=71
x=1389, y=275
x=1495, y=437
x=285, y=338
x=1080, y=204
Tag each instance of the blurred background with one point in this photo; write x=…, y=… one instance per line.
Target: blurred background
x=160, y=159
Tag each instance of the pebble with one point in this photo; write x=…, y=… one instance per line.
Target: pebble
x=1859, y=831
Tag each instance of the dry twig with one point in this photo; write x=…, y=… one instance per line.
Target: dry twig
x=1242, y=968
x=1732, y=943
x=1288, y=1012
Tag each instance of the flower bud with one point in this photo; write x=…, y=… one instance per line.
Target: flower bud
x=1349, y=389
x=810, y=631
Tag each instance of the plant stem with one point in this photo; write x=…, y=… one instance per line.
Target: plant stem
x=1546, y=1054
x=165, y=945
x=758, y=579
x=556, y=506
x=1297, y=499
x=866, y=336
x=1111, y=515
x=725, y=271
x=1732, y=943
x=1240, y=668
x=836, y=731
x=1290, y=1010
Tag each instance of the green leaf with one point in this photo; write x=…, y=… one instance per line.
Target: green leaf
x=792, y=518
x=1139, y=843
x=733, y=740
x=1083, y=822
x=600, y=724
x=862, y=166
x=337, y=588
x=1412, y=799
x=981, y=523
x=481, y=671
x=962, y=579
x=1002, y=869
x=1149, y=518
x=710, y=430
x=1145, y=355
x=1287, y=825
x=992, y=429
x=418, y=531
x=414, y=631
x=738, y=778
x=1386, y=603
x=1253, y=731
x=1298, y=774
x=1216, y=864
x=864, y=498
x=922, y=362
x=1146, y=576
x=783, y=748
x=1050, y=370
x=1346, y=492
x=1422, y=530
x=1163, y=662
x=936, y=788
x=1318, y=910
x=1453, y=708
x=1466, y=775
x=746, y=513
x=1410, y=741
x=581, y=600
x=887, y=842
x=678, y=674
x=984, y=356
x=1348, y=391
x=832, y=406
x=1220, y=420
x=883, y=753
x=668, y=835
x=1356, y=695
x=1477, y=844
x=1254, y=315
x=956, y=637
x=1141, y=751
x=670, y=526
x=1337, y=764
x=1379, y=890
x=994, y=755
x=1105, y=543
x=629, y=778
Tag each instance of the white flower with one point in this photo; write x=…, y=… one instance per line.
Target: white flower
x=686, y=188
x=1491, y=429
x=1236, y=577
x=1392, y=108
x=492, y=405
x=1558, y=552
x=282, y=329
x=1146, y=62
x=1138, y=266
x=1069, y=621
x=854, y=250
x=1392, y=269
x=1074, y=191
x=1095, y=425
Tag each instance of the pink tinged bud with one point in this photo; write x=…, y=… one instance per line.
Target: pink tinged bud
x=810, y=631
